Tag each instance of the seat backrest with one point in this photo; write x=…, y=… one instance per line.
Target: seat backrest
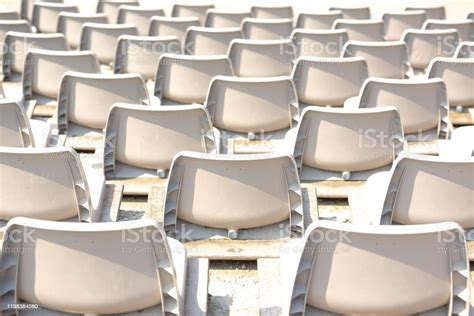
x=50, y=184
x=447, y=182
x=70, y=24
x=219, y=18
x=138, y=16
x=140, y=54
x=397, y=23
x=260, y=12
x=463, y=136
x=317, y=21
x=362, y=30
x=319, y=43
x=267, y=29
x=20, y=43
x=149, y=137
x=384, y=59
x=343, y=140
x=165, y=26
x=424, y=45
x=396, y=264
x=433, y=12
x=261, y=58
x=27, y=7
x=422, y=103
x=86, y=99
x=185, y=79
x=91, y=257
x=255, y=191
x=186, y=11
x=8, y=14
x=46, y=15
x=464, y=27
x=465, y=50
x=457, y=74
x=102, y=39
x=44, y=70
x=328, y=81
x=362, y=13
x=210, y=41
x=252, y=104
x=15, y=26
x=111, y=8
x=15, y=130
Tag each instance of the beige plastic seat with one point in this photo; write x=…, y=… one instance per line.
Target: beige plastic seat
x=397, y=23
x=8, y=14
x=362, y=30
x=70, y=24
x=400, y=196
x=50, y=184
x=140, y=54
x=13, y=26
x=111, y=7
x=139, y=16
x=247, y=207
x=456, y=148
x=27, y=7
x=44, y=70
x=317, y=21
x=46, y=15
x=221, y=18
x=328, y=81
x=102, y=39
x=14, y=59
x=85, y=100
x=127, y=269
x=253, y=108
x=210, y=41
x=464, y=50
x=142, y=141
x=335, y=144
x=319, y=43
x=267, y=29
x=184, y=79
x=165, y=26
x=384, y=59
x=457, y=74
x=186, y=11
x=424, y=45
x=464, y=27
x=432, y=12
x=361, y=13
x=463, y=136
x=419, y=269
x=422, y=104
x=261, y=58
x=16, y=130
x=272, y=12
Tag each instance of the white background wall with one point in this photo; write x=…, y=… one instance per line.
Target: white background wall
x=456, y=9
